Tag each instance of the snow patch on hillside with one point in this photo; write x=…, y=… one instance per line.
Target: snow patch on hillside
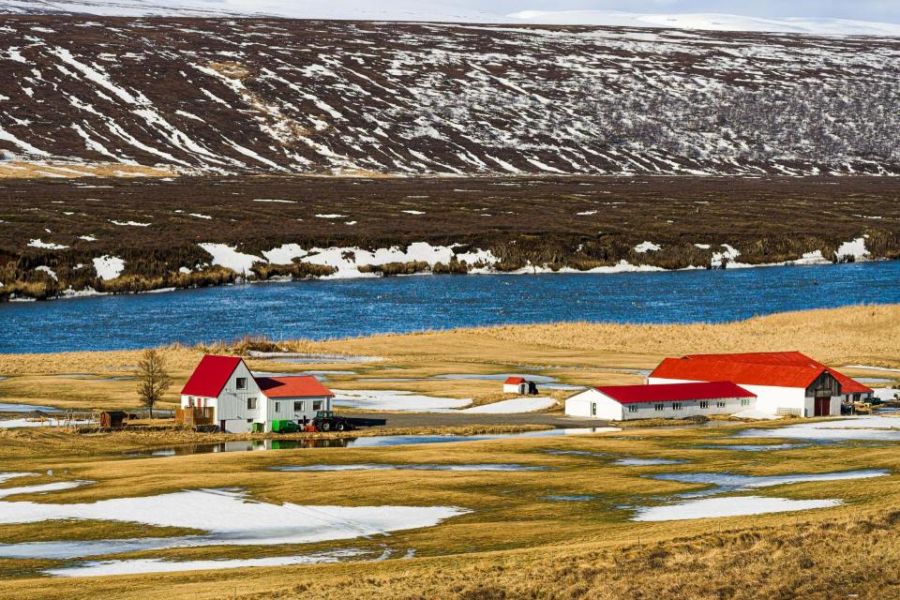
x=108, y=267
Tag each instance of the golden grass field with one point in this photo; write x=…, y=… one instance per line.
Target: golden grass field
x=515, y=543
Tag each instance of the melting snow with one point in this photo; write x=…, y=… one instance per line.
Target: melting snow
x=37, y=243
x=108, y=267
x=645, y=247
x=708, y=508
x=228, y=257
x=396, y=400
x=515, y=405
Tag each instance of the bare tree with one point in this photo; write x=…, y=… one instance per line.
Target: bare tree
x=153, y=380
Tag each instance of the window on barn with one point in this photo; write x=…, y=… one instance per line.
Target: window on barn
x=317, y=405
x=593, y=409
x=632, y=408
x=704, y=404
x=676, y=406
x=745, y=401
x=720, y=404
x=251, y=403
x=278, y=407
x=241, y=383
x=299, y=406
x=659, y=406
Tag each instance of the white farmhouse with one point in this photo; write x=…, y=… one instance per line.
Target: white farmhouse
x=785, y=383
x=222, y=391
x=665, y=401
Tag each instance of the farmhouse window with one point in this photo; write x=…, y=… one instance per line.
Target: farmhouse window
x=317, y=405
x=593, y=409
x=720, y=404
x=659, y=406
x=676, y=406
x=278, y=407
x=241, y=383
x=251, y=403
x=299, y=406
x=704, y=404
x=745, y=401
x=632, y=408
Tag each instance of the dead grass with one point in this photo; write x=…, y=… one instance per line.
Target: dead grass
x=29, y=170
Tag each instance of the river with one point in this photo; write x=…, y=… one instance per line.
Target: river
x=337, y=308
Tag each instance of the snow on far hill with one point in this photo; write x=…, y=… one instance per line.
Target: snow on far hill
x=708, y=22
x=410, y=10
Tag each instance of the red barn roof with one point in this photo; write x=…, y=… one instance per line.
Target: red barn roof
x=211, y=375
x=305, y=386
x=514, y=380
x=669, y=392
x=784, y=375
x=848, y=385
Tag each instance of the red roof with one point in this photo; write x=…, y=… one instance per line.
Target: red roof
x=744, y=373
x=211, y=375
x=668, y=392
x=848, y=385
x=305, y=386
x=514, y=380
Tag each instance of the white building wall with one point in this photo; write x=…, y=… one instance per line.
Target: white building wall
x=592, y=404
x=294, y=409
x=233, y=404
x=770, y=399
x=514, y=388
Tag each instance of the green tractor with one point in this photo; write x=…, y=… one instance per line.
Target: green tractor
x=326, y=420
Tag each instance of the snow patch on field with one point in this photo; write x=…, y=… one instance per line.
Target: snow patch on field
x=512, y=406
x=396, y=400
x=50, y=272
x=38, y=243
x=854, y=249
x=108, y=267
x=645, y=247
x=228, y=257
x=708, y=508
x=158, y=565
x=858, y=428
x=228, y=517
x=129, y=223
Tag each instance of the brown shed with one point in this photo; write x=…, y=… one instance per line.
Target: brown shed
x=113, y=419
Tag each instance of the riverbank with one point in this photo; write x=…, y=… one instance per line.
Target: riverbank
x=76, y=237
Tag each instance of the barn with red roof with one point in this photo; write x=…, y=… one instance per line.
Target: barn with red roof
x=672, y=401
x=785, y=383
x=223, y=391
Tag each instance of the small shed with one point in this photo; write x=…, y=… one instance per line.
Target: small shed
x=519, y=385
x=113, y=419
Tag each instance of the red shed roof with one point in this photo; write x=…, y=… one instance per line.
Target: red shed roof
x=514, y=380
x=211, y=375
x=668, y=392
x=305, y=386
x=848, y=385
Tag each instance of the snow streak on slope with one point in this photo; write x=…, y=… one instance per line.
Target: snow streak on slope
x=410, y=10
x=258, y=95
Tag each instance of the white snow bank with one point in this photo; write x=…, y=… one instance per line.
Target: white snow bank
x=48, y=271
x=228, y=517
x=108, y=267
x=858, y=428
x=158, y=565
x=645, y=247
x=129, y=223
x=855, y=249
x=228, y=257
x=87, y=238
x=515, y=405
x=708, y=508
x=885, y=394
x=396, y=400
x=752, y=413
x=47, y=422
x=38, y=243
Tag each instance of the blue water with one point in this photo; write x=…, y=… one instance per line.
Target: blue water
x=327, y=309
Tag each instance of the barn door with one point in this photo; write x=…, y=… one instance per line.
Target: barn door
x=823, y=406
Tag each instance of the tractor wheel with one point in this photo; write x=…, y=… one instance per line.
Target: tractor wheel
x=326, y=426
x=341, y=427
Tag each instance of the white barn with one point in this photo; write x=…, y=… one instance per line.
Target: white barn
x=667, y=401
x=785, y=383
x=223, y=391
x=519, y=385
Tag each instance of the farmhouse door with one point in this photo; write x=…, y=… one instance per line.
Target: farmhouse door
x=823, y=406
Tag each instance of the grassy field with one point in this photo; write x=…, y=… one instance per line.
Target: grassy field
x=576, y=222
x=515, y=542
